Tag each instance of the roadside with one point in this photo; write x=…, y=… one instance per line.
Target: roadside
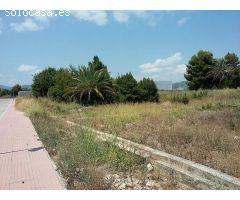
x=4, y=103
x=86, y=162
x=206, y=130
x=24, y=163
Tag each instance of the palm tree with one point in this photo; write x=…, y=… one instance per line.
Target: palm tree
x=219, y=73
x=234, y=74
x=89, y=85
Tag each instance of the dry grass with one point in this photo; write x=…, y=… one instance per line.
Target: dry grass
x=206, y=130
x=83, y=160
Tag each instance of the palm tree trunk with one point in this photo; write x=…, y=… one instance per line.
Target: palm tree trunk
x=89, y=96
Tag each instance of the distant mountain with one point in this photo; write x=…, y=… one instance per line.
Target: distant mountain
x=180, y=85
x=164, y=85
x=9, y=88
x=26, y=87
x=5, y=87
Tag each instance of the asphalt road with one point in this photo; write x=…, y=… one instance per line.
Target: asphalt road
x=3, y=106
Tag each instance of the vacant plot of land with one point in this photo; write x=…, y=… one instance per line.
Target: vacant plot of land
x=205, y=130
x=84, y=161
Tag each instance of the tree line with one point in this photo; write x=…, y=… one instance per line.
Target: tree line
x=92, y=84
x=13, y=92
x=203, y=71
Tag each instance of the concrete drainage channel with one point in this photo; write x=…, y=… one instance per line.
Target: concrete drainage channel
x=185, y=171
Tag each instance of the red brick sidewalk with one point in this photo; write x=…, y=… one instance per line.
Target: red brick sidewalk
x=24, y=163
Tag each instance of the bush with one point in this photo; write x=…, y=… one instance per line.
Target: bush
x=200, y=94
x=81, y=156
x=62, y=80
x=127, y=88
x=148, y=90
x=180, y=98
x=50, y=132
x=35, y=110
x=15, y=89
x=89, y=86
x=4, y=92
x=207, y=106
x=42, y=82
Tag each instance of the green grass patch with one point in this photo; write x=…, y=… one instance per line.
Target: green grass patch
x=80, y=155
x=180, y=98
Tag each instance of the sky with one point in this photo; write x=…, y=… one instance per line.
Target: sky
x=155, y=44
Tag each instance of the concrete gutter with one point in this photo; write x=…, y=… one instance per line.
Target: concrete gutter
x=186, y=171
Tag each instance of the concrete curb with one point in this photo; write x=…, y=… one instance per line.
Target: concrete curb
x=11, y=101
x=186, y=171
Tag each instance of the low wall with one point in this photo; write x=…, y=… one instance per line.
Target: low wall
x=186, y=171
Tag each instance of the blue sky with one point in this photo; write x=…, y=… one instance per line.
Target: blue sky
x=155, y=44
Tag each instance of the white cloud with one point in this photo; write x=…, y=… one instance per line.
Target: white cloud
x=27, y=68
x=140, y=13
x=121, y=16
x=124, y=16
x=151, y=17
x=169, y=69
x=35, y=23
x=181, y=69
x=182, y=21
x=159, y=64
x=42, y=19
x=98, y=17
x=27, y=25
x=1, y=26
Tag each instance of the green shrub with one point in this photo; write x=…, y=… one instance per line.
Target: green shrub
x=148, y=90
x=200, y=94
x=207, y=106
x=4, y=92
x=104, y=152
x=47, y=130
x=180, y=98
x=127, y=88
x=15, y=89
x=62, y=80
x=89, y=86
x=43, y=81
x=80, y=157
x=35, y=110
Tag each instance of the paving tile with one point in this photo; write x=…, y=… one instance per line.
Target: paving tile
x=24, y=163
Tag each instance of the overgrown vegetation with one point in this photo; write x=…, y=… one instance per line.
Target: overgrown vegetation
x=13, y=92
x=206, y=72
x=180, y=98
x=206, y=130
x=201, y=125
x=92, y=85
x=148, y=90
x=81, y=158
x=43, y=81
x=4, y=92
